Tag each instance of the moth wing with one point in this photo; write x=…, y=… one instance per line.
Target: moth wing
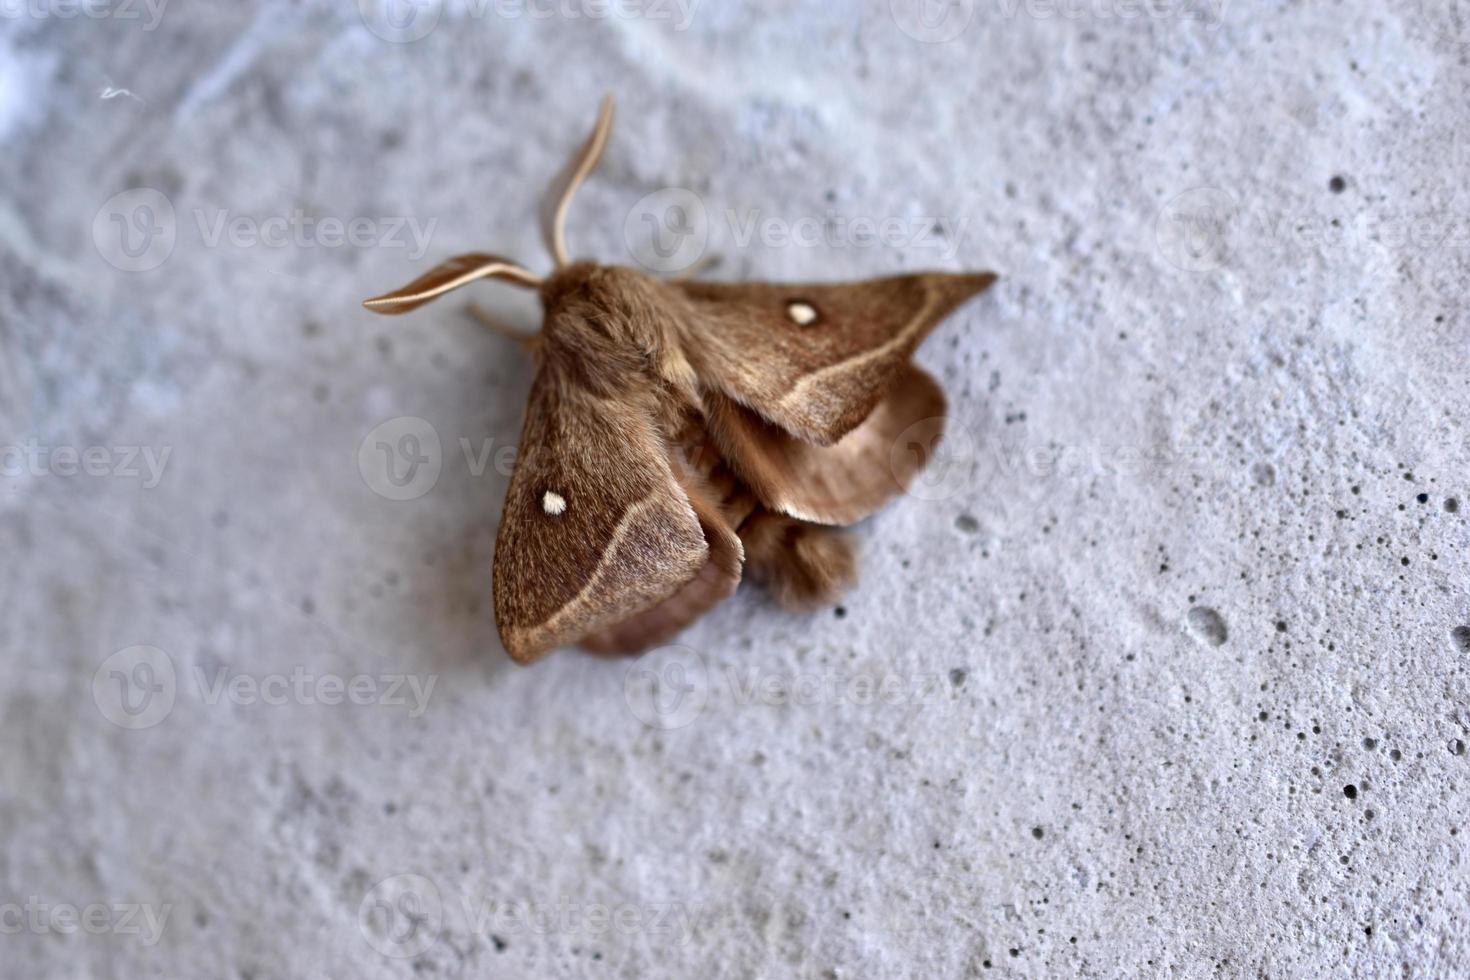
x=595, y=527
x=715, y=581
x=816, y=359
x=848, y=480
x=812, y=395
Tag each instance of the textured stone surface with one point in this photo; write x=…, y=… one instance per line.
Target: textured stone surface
x=1169, y=656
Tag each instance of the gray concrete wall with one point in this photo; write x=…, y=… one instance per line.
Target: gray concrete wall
x=1157, y=674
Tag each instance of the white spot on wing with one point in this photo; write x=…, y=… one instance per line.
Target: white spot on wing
x=801, y=313
x=553, y=503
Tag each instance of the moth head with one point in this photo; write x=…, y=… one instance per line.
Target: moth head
x=465, y=269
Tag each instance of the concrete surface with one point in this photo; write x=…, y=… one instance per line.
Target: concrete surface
x=1161, y=672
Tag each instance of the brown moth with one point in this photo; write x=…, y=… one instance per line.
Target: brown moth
x=680, y=433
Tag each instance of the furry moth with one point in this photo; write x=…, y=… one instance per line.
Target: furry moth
x=682, y=433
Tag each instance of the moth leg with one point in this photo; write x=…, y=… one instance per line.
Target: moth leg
x=527, y=342
x=803, y=564
x=701, y=265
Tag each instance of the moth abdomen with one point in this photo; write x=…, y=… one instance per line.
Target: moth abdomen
x=802, y=564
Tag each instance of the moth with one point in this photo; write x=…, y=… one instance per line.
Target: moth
x=680, y=434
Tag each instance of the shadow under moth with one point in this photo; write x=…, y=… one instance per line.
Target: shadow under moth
x=681, y=433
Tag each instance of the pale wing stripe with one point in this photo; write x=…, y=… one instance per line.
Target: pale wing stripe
x=551, y=625
x=802, y=389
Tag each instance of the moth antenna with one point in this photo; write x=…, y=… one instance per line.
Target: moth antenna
x=564, y=187
x=449, y=276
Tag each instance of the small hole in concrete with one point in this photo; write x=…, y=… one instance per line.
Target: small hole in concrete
x=1206, y=625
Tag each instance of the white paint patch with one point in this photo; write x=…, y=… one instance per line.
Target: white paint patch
x=554, y=503
x=108, y=93
x=802, y=314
